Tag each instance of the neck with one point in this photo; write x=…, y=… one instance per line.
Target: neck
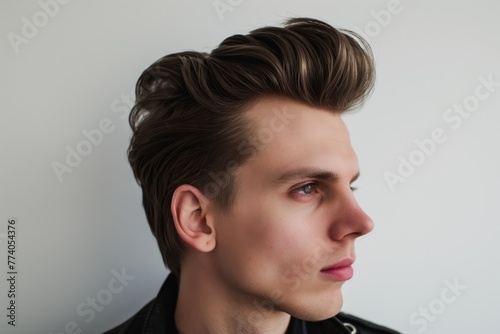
x=205, y=305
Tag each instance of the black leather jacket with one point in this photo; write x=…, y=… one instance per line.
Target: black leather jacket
x=157, y=317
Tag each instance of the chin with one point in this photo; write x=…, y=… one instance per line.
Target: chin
x=317, y=309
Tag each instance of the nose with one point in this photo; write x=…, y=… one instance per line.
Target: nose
x=348, y=218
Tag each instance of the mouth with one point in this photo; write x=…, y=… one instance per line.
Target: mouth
x=340, y=271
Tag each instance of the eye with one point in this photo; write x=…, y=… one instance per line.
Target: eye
x=353, y=186
x=305, y=190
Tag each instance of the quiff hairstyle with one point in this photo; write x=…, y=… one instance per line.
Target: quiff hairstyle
x=188, y=119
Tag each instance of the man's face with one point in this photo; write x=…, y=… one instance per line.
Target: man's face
x=294, y=215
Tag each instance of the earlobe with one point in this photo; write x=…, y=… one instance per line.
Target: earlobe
x=189, y=212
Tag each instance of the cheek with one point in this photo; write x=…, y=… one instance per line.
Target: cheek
x=252, y=238
x=260, y=235
x=266, y=237
x=273, y=240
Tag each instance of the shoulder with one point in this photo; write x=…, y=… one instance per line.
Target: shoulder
x=362, y=326
x=135, y=323
x=155, y=317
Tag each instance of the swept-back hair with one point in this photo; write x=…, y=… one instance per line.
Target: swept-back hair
x=188, y=122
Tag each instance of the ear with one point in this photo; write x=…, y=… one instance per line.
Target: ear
x=189, y=211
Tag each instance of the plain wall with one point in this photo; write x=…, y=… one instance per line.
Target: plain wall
x=436, y=226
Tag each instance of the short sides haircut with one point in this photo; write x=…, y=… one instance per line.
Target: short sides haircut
x=188, y=119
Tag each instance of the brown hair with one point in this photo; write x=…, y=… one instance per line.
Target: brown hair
x=187, y=120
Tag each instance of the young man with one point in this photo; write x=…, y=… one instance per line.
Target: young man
x=246, y=168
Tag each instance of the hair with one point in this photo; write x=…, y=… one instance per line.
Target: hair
x=188, y=119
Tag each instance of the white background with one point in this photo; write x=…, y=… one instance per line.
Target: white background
x=80, y=67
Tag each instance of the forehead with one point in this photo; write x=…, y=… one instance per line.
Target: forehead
x=288, y=133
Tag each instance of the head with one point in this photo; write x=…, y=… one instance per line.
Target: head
x=245, y=163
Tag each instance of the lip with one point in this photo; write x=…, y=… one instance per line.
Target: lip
x=340, y=271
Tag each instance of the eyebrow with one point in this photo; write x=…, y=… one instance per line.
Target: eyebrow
x=309, y=173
